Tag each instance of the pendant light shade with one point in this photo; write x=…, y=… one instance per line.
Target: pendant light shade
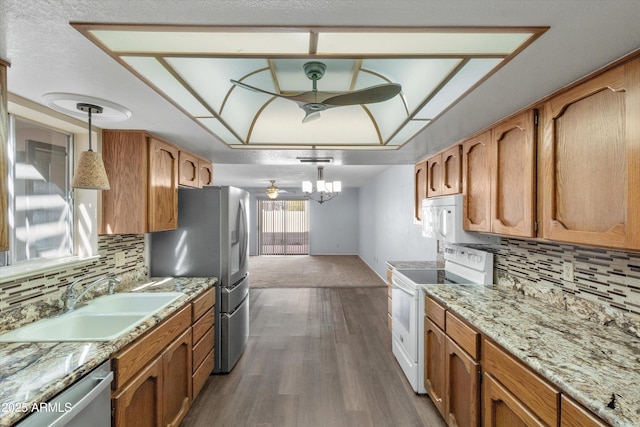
x=90, y=173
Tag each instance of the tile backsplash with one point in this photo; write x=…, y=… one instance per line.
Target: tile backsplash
x=44, y=292
x=606, y=285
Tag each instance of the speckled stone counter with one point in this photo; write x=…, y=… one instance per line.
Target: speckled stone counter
x=31, y=373
x=589, y=362
x=415, y=265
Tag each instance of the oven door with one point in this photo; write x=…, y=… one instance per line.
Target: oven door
x=405, y=327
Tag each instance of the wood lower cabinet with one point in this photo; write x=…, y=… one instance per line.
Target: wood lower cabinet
x=452, y=371
x=502, y=409
x=434, y=370
x=152, y=376
x=203, y=339
x=590, y=156
x=138, y=403
x=573, y=414
x=143, y=174
x=517, y=391
x=176, y=381
x=419, y=190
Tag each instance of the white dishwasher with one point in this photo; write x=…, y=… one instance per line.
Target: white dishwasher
x=87, y=402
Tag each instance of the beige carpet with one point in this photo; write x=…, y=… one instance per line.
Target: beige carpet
x=307, y=271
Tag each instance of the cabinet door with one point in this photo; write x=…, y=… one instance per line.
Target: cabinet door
x=502, y=409
x=163, y=186
x=591, y=155
x=188, y=170
x=513, y=152
x=434, y=176
x=476, y=184
x=4, y=137
x=138, y=404
x=205, y=174
x=574, y=415
x=419, y=189
x=434, y=364
x=177, y=385
x=462, y=403
x=451, y=171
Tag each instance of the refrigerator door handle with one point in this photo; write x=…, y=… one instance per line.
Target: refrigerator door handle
x=243, y=235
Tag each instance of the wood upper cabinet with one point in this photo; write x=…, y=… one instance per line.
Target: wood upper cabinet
x=434, y=176
x=4, y=136
x=443, y=172
x=499, y=184
x=143, y=174
x=205, y=173
x=591, y=161
x=189, y=170
x=476, y=186
x=194, y=171
x=513, y=185
x=419, y=190
x=162, y=211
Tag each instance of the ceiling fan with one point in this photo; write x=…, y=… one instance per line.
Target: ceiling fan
x=314, y=101
x=273, y=191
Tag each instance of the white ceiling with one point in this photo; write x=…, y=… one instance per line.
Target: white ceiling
x=48, y=55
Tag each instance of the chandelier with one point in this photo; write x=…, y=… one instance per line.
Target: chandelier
x=324, y=190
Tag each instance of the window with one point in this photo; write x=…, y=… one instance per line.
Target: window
x=40, y=200
x=283, y=227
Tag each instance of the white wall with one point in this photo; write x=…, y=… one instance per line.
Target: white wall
x=387, y=231
x=333, y=226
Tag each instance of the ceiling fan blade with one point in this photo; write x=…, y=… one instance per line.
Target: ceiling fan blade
x=255, y=89
x=368, y=95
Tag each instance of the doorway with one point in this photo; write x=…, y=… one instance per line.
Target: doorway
x=283, y=227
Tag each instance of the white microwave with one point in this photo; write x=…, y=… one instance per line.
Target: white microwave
x=442, y=220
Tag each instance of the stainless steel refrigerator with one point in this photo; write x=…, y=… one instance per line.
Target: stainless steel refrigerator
x=212, y=239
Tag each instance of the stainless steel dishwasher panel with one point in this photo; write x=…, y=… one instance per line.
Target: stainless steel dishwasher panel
x=87, y=402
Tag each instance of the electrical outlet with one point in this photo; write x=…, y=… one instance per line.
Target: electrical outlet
x=567, y=271
x=119, y=259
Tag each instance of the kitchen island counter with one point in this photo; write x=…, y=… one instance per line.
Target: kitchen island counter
x=594, y=364
x=32, y=373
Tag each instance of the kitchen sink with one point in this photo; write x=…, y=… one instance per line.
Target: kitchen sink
x=131, y=302
x=103, y=319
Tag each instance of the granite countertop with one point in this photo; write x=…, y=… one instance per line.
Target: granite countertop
x=415, y=265
x=32, y=373
x=594, y=364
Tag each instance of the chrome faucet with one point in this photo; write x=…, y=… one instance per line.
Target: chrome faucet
x=70, y=296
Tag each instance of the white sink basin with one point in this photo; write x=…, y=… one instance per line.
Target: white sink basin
x=131, y=302
x=103, y=319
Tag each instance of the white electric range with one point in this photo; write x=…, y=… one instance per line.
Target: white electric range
x=462, y=265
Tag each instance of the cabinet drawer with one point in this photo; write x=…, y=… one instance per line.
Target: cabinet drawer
x=573, y=414
x=202, y=348
x=435, y=312
x=203, y=303
x=131, y=359
x=465, y=336
x=530, y=389
x=199, y=378
x=202, y=325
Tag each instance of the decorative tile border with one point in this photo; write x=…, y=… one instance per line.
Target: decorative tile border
x=29, y=298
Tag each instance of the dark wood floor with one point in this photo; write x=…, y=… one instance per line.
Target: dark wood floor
x=315, y=357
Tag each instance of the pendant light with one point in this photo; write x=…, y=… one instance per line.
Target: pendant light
x=90, y=173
